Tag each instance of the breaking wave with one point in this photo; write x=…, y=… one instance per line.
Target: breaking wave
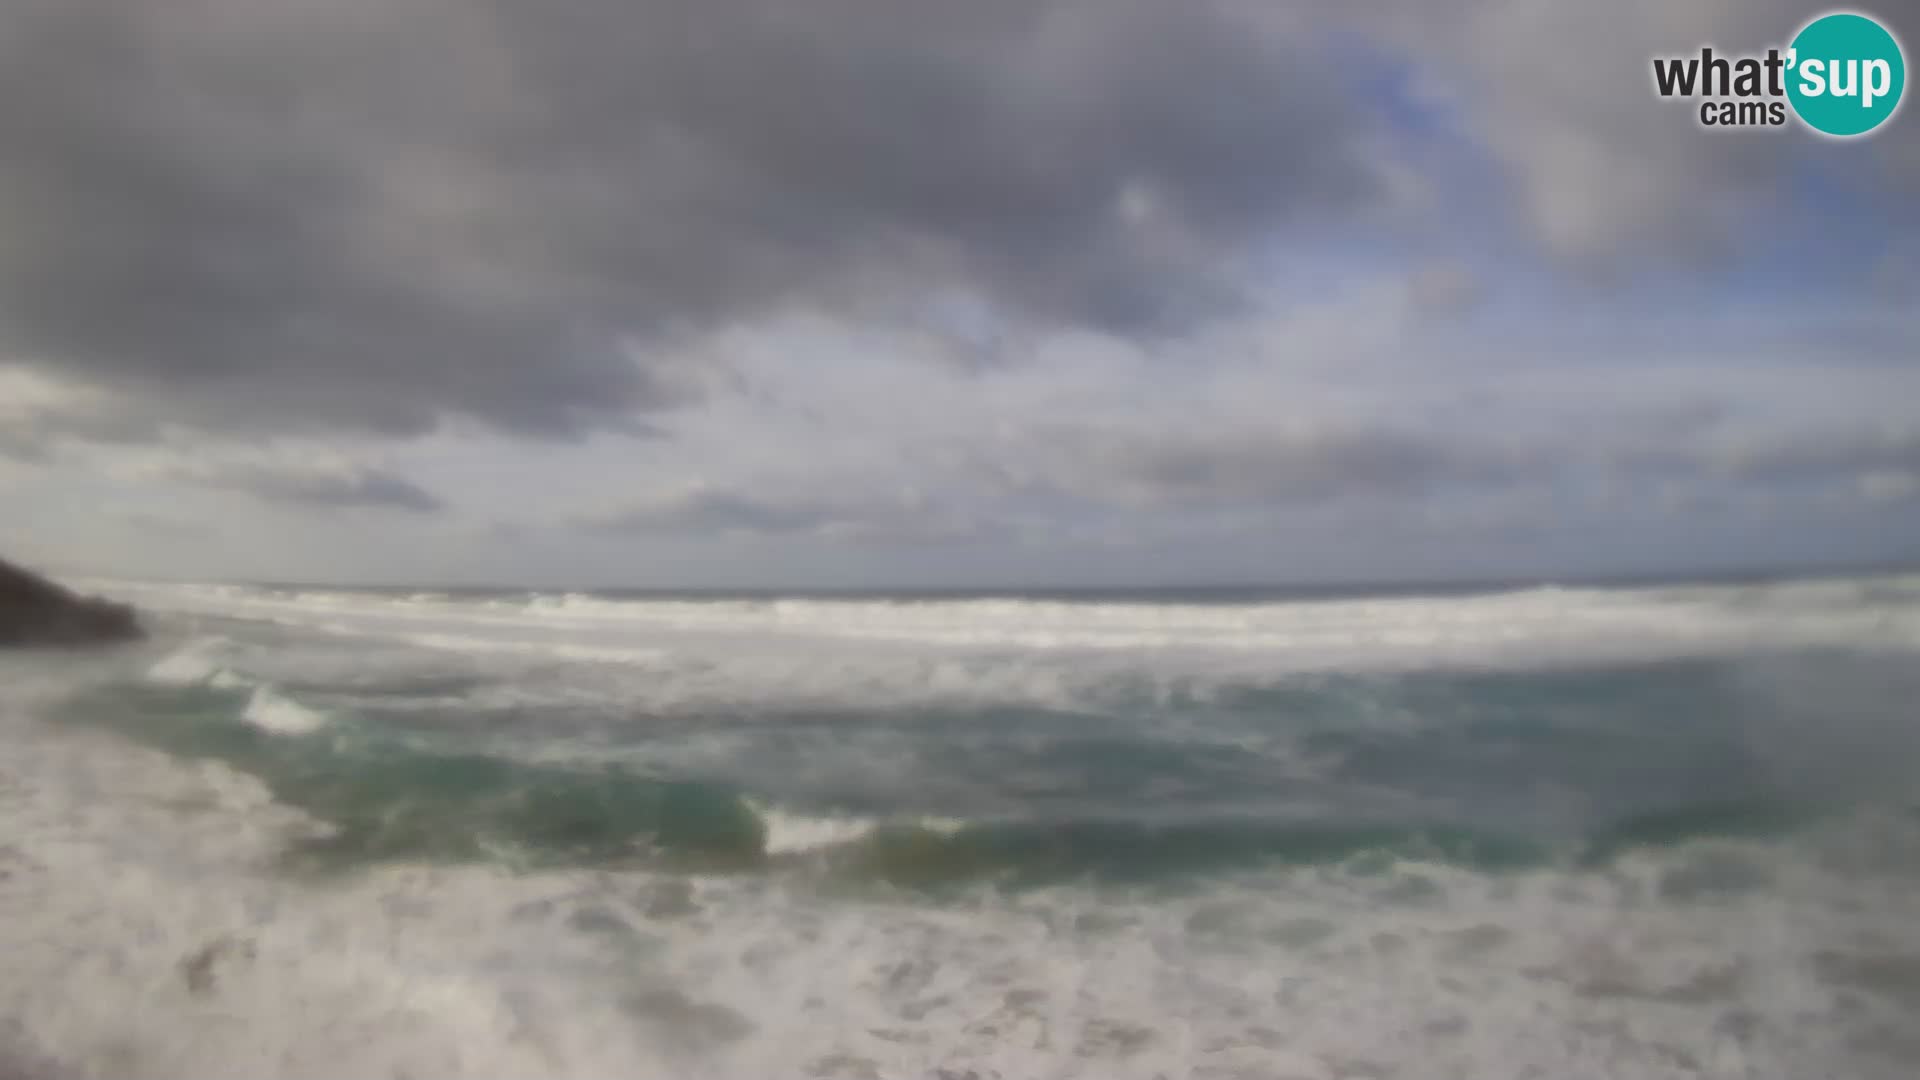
x=1664, y=833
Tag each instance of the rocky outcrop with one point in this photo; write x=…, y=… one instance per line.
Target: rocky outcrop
x=35, y=611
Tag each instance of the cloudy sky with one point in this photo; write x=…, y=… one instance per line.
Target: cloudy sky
x=867, y=292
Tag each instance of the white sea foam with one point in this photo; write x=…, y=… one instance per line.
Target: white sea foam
x=699, y=655
x=147, y=933
x=200, y=662
x=270, y=710
x=790, y=833
x=191, y=664
x=1498, y=627
x=144, y=938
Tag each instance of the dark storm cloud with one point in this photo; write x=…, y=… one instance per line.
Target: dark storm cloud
x=350, y=213
x=1825, y=457
x=36, y=437
x=1772, y=460
x=1240, y=468
x=1053, y=481
x=338, y=486
x=705, y=510
x=1056, y=474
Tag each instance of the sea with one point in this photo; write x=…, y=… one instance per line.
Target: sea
x=1661, y=832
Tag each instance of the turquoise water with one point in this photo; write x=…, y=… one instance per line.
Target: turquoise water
x=1033, y=795
x=1663, y=831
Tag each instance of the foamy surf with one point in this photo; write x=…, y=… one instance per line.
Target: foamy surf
x=1202, y=641
x=270, y=710
x=789, y=833
x=191, y=664
x=1658, y=833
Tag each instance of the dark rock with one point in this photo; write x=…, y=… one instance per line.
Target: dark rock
x=35, y=611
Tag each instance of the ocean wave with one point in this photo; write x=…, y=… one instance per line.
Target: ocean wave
x=752, y=838
x=652, y=657
x=270, y=710
x=552, y=819
x=192, y=663
x=200, y=663
x=1515, y=627
x=450, y=970
x=787, y=832
x=388, y=801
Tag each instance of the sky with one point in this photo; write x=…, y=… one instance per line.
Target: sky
x=843, y=293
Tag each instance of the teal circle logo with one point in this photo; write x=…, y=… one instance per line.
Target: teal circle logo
x=1845, y=74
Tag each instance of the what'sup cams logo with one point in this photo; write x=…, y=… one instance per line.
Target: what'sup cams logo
x=1842, y=75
